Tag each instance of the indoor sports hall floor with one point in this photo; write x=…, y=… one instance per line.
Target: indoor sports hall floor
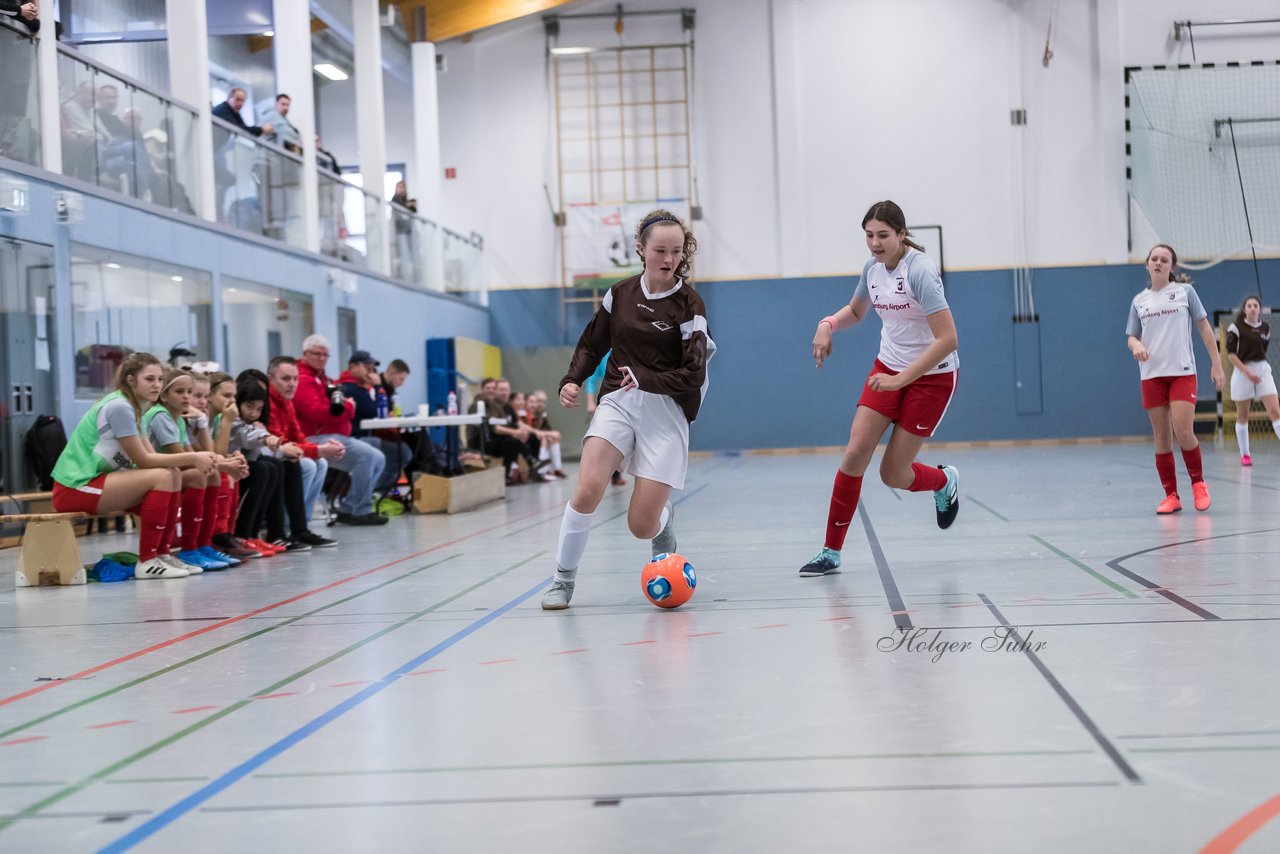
x=405, y=692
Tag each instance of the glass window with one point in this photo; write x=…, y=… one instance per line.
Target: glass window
x=261, y=322
x=120, y=304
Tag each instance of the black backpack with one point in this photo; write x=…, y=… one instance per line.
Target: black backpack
x=42, y=447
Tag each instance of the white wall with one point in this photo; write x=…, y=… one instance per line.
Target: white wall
x=337, y=115
x=809, y=110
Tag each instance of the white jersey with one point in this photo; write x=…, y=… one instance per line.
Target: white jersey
x=1163, y=321
x=904, y=298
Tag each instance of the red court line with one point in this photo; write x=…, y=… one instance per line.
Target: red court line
x=834, y=619
x=703, y=634
x=98, y=668
x=428, y=672
x=26, y=740
x=108, y=726
x=500, y=661
x=638, y=643
x=1234, y=836
x=345, y=684
x=193, y=709
x=274, y=696
x=570, y=651
x=772, y=626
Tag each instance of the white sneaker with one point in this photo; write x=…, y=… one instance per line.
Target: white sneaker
x=174, y=562
x=156, y=568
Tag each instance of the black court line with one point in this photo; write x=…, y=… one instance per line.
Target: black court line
x=900, y=618
x=1168, y=594
x=708, y=793
x=1206, y=475
x=953, y=628
x=1087, y=722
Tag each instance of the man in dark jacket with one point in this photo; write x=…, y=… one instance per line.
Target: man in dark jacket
x=359, y=382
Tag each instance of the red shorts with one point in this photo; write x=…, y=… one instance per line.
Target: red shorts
x=80, y=499
x=1159, y=391
x=918, y=408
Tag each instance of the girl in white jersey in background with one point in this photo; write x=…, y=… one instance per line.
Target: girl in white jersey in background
x=1159, y=330
x=1247, y=341
x=911, y=383
x=653, y=387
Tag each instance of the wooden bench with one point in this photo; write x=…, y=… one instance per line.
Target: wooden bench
x=42, y=502
x=49, y=554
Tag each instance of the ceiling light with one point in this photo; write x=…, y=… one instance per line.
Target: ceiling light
x=331, y=71
x=176, y=278
x=233, y=291
x=113, y=265
x=570, y=51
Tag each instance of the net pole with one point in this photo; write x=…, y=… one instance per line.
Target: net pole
x=1244, y=201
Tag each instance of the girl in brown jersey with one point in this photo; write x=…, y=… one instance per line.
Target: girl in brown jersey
x=654, y=383
x=1247, y=341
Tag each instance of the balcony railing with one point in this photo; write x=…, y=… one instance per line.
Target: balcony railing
x=118, y=134
x=19, y=95
x=258, y=185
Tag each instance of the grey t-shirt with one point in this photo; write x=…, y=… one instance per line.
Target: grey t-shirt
x=164, y=431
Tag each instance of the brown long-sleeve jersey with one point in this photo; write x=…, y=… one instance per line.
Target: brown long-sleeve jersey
x=663, y=338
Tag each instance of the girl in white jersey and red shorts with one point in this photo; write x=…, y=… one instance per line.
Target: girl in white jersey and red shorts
x=911, y=383
x=1159, y=329
x=654, y=382
x=1247, y=341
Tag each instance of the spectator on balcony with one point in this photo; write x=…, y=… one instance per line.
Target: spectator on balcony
x=246, y=212
x=403, y=259
x=325, y=159
x=229, y=112
x=24, y=14
x=82, y=134
x=282, y=132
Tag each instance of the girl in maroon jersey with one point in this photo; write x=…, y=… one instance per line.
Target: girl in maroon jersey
x=1247, y=341
x=654, y=383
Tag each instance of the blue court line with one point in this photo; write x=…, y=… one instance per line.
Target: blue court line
x=187, y=804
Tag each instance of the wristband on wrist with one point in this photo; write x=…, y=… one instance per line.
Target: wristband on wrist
x=830, y=319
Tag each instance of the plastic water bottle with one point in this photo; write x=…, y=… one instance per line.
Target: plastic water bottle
x=382, y=403
x=453, y=403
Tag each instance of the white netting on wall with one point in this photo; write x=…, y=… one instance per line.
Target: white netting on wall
x=1198, y=137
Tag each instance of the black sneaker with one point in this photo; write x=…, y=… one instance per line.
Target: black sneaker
x=315, y=540
x=824, y=562
x=366, y=519
x=291, y=545
x=947, y=499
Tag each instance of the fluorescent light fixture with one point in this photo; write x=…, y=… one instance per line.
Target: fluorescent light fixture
x=268, y=33
x=570, y=51
x=176, y=278
x=330, y=71
x=113, y=265
x=233, y=290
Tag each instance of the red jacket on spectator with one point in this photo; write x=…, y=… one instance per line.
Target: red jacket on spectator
x=282, y=421
x=311, y=403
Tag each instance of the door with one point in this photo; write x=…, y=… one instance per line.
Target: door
x=28, y=349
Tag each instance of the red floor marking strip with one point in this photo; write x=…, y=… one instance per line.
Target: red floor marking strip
x=193, y=709
x=638, y=643
x=570, y=651
x=834, y=619
x=1222, y=584
x=703, y=634
x=899, y=613
x=499, y=661
x=346, y=684
x=108, y=726
x=26, y=740
x=772, y=626
x=1234, y=836
x=273, y=696
x=428, y=672
x=31, y=692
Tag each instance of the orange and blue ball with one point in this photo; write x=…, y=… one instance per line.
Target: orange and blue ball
x=668, y=580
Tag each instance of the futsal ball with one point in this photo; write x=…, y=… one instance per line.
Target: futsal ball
x=668, y=580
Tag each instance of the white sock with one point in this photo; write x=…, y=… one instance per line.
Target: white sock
x=574, y=529
x=1242, y=437
x=663, y=520
x=557, y=462
x=543, y=453
x=1275, y=425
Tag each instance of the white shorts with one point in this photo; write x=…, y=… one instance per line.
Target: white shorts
x=1242, y=389
x=651, y=432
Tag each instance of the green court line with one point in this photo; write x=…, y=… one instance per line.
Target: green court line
x=149, y=676
x=68, y=791
x=1060, y=553
x=22, y=784
x=985, y=507
x=630, y=763
x=123, y=780
x=1233, y=749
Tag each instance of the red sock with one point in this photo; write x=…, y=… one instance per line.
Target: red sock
x=928, y=478
x=153, y=515
x=1168, y=475
x=192, y=516
x=210, y=521
x=171, y=523
x=1192, y=460
x=844, y=500
x=223, y=525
